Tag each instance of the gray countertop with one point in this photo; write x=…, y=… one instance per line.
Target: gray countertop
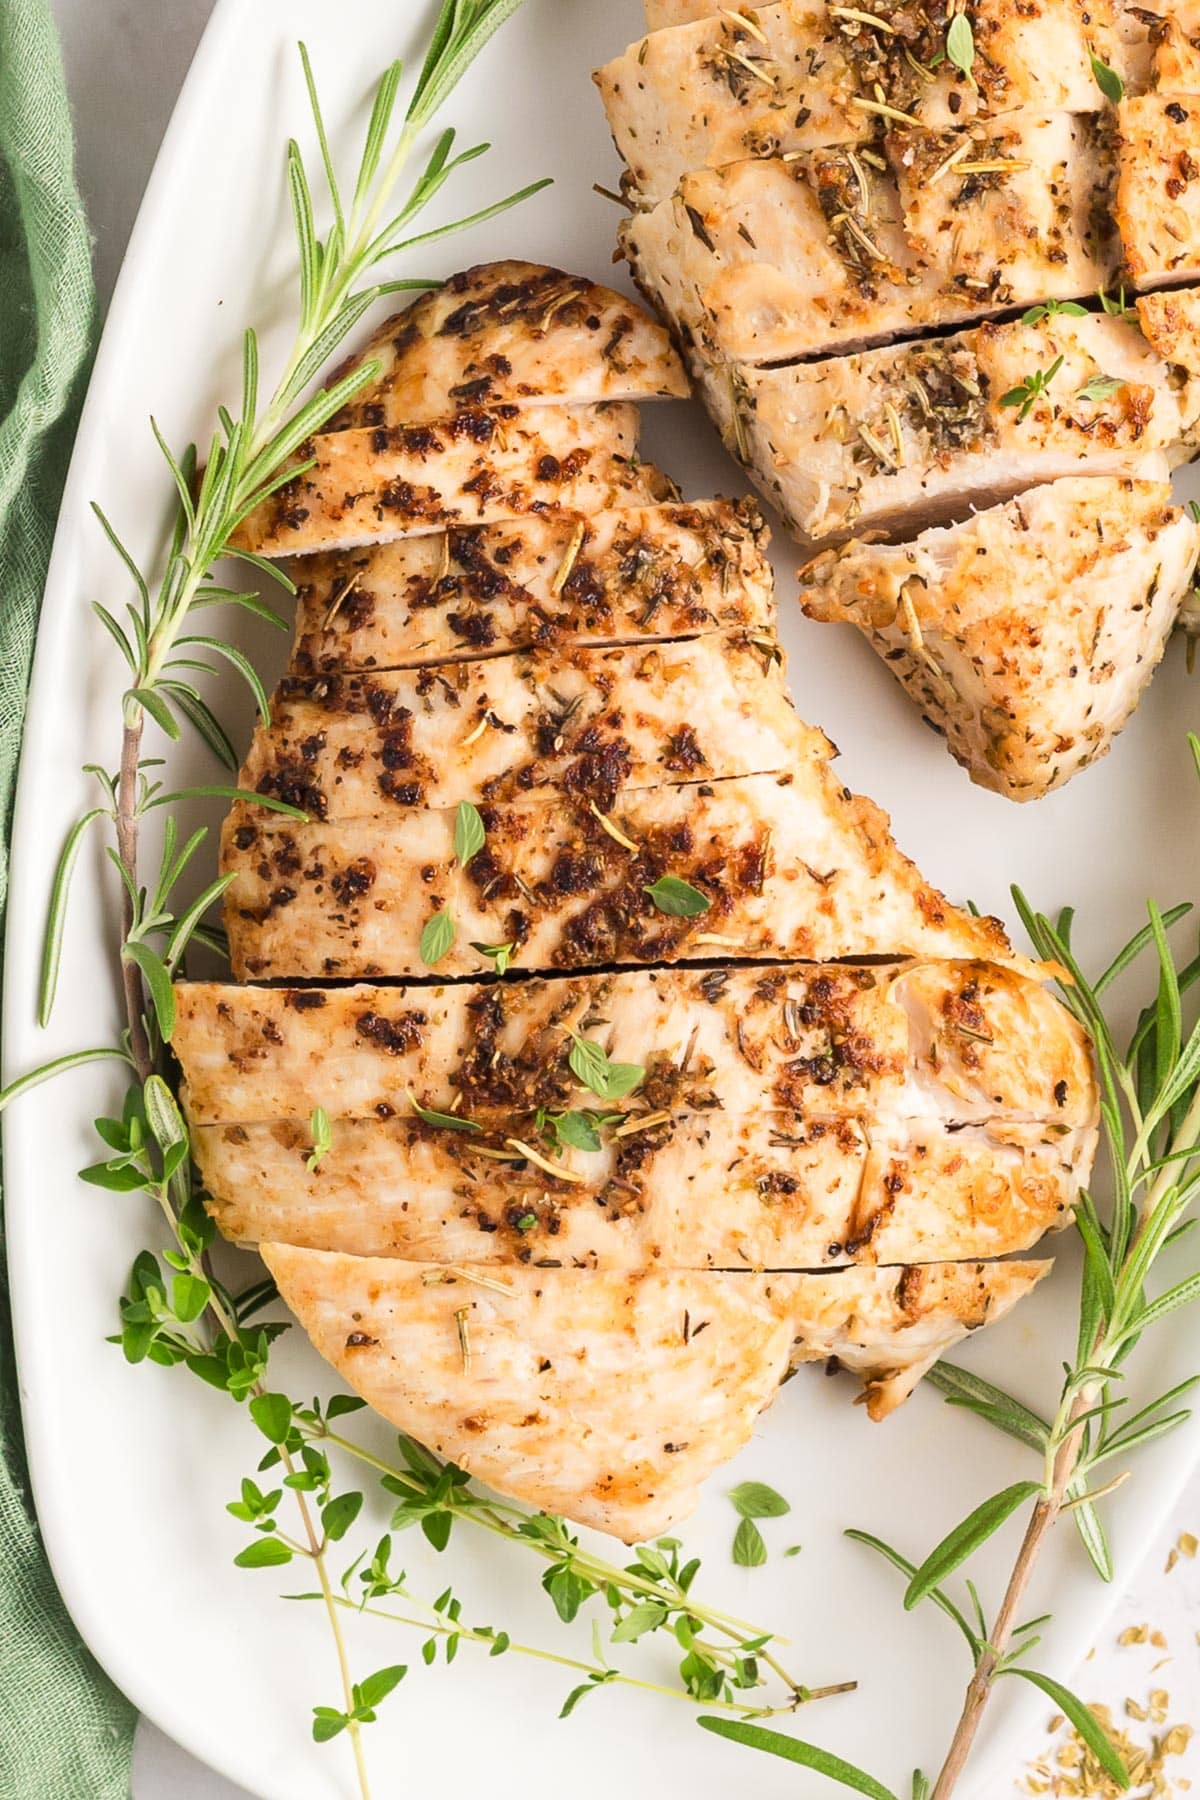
x=125, y=61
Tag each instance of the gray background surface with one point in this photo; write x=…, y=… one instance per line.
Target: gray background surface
x=126, y=60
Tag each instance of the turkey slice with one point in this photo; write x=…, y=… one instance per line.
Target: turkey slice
x=640, y=574
x=609, y=1398
x=785, y=865
x=510, y=332
x=1028, y=633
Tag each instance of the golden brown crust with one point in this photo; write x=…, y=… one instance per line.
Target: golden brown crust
x=598, y=1395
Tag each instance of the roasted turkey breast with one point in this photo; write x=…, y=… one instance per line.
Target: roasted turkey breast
x=922, y=261
x=772, y=1097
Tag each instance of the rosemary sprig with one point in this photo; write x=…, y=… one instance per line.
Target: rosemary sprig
x=250, y=453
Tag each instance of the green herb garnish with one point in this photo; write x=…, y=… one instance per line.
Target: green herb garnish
x=1107, y=80
x=1027, y=393
x=499, y=955
x=437, y=938
x=589, y=1064
x=469, y=834
x=678, y=899
x=322, y=1139
x=960, y=43
x=444, y=1121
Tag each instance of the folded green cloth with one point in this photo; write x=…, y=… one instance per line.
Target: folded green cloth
x=65, y=1733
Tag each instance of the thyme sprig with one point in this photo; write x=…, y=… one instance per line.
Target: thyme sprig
x=724, y=1657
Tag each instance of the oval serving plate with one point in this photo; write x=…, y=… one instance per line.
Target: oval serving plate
x=132, y=1467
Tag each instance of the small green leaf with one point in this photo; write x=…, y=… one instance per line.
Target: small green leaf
x=189, y=1297
x=809, y=1756
x=339, y=1514
x=158, y=983
x=469, y=834
x=678, y=899
x=499, y=955
x=437, y=936
x=749, y=1550
x=960, y=43
x=444, y=1121
x=648, y=1615
x=589, y=1063
x=377, y=1687
x=272, y=1413
x=263, y=1553
x=966, y=1538
x=1082, y=1718
x=327, y=1722
x=755, y=1500
x=322, y=1139
x=1107, y=80
x=343, y=1403
x=1100, y=387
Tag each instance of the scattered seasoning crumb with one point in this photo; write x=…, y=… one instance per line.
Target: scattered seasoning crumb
x=464, y=1336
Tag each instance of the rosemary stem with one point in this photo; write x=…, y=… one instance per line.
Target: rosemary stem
x=127, y=851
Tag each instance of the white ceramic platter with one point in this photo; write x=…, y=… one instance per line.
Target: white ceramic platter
x=132, y=1467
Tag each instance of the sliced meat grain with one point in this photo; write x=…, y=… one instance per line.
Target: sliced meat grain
x=510, y=333
x=803, y=76
x=640, y=574
x=909, y=435
x=660, y=1190
x=1157, y=203
x=478, y=467
x=585, y=1394
x=960, y=1042
x=771, y=260
x=788, y=865
x=588, y=724
x=1027, y=634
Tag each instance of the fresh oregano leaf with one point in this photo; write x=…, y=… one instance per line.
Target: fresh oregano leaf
x=678, y=899
x=272, y=1413
x=469, y=834
x=590, y=1065
x=437, y=937
x=499, y=955
x=263, y=1553
x=755, y=1500
x=749, y=1549
x=1107, y=80
x=960, y=43
x=1100, y=387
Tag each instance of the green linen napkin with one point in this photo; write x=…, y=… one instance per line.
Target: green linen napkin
x=65, y=1733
